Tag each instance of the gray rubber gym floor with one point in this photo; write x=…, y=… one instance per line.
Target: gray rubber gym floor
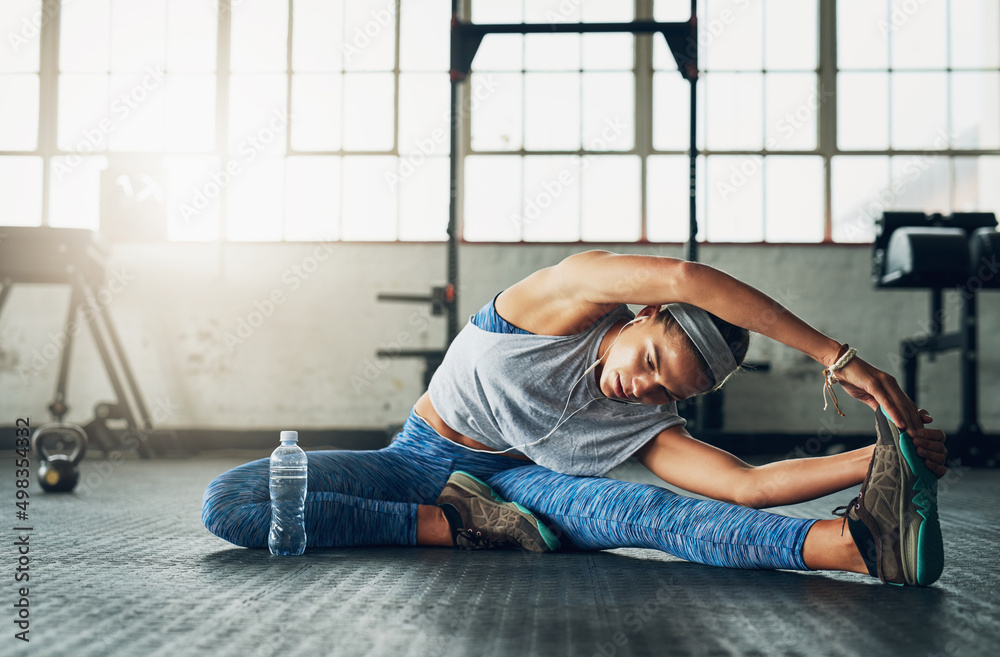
x=123, y=566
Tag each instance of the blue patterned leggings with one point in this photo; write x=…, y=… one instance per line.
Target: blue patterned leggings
x=371, y=497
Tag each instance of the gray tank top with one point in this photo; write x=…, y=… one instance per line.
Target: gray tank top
x=505, y=389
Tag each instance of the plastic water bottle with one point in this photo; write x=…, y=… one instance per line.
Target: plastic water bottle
x=288, y=497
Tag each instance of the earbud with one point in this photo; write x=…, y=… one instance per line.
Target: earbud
x=560, y=421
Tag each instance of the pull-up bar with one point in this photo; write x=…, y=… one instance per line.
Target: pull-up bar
x=682, y=40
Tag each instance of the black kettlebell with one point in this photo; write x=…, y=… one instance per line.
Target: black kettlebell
x=58, y=473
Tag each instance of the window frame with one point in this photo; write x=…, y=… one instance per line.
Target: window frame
x=643, y=73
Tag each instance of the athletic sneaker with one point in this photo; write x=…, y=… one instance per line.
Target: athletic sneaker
x=894, y=518
x=489, y=521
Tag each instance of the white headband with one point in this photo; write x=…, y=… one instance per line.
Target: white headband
x=706, y=338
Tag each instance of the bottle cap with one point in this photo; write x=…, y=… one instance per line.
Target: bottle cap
x=289, y=436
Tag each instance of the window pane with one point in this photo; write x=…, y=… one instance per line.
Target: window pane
x=192, y=31
x=492, y=198
x=424, y=116
x=733, y=105
x=75, y=191
x=22, y=33
x=312, y=198
x=611, y=198
x=84, y=123
x=975, y=110
x=671, y=11
x=370, y=199
x=21, y=190
x=735, y=198
x=608, y=111
x=667, y=198
x=550, y=211
x=317, y=35
x=85, y=36
x=551, y=11
x=369, y=35
x=424, y=196
x=194, y=185
x=259, y=37
x=863, y=111
x=255, y=198
x=671, y=112
x=424, y=38
x=500, y=52
x=663, y=60
x=860, y=194
x=19, y=112
x=552, y=111
x=369, y=108
x=496, y=11
x=190, y=112
x=137, y=106
x=316, y=106
x=793, y=101
x=791, y=30
x=919, y=110
x=975, y=184
x=138, y=35
x=609, y=52
x=496, y=111
x=918, y=34
x=794, y=209
x=606, y=11
x=552, y=52
x=730, y=35
x=258, y=120
x=920, y=182
x=975, y=34
x=862, y=34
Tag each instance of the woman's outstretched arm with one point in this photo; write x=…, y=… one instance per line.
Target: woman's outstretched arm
x=679, y=459
x=601, y=277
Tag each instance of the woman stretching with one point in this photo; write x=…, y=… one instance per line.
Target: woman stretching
x=555, y=382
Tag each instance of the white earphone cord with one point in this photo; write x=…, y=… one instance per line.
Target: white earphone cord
x=560, y=421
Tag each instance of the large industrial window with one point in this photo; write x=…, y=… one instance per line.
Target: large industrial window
x=268, y=120
x=918, y=110
x=760, y=172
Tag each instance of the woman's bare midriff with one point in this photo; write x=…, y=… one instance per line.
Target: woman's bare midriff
x=425, y=409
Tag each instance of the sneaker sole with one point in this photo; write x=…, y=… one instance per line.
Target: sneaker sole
x=920, y=531
x=476, y=486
